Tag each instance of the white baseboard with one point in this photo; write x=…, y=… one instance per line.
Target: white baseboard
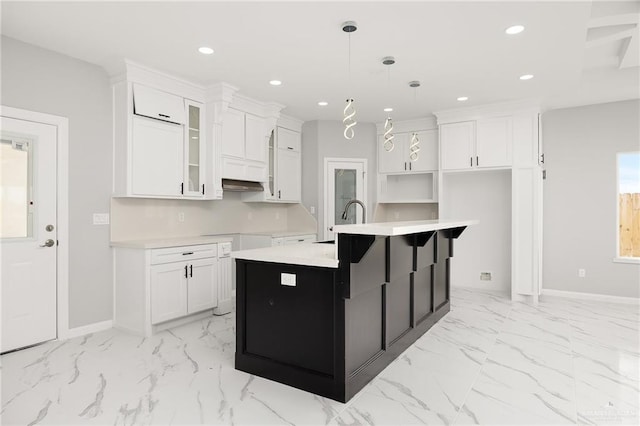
x=87, y=329
x=591, y=296
x=485, y=286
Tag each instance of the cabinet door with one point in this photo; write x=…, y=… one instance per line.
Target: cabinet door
x=457, y=145
x=202, y=285
x=288, y=139
x=233, y=133
x=396, y=160
x=493, y=142
x=156, y=158
x=255, y=139
x=428, y=154
x=157, y=104
x=194, y=152
x=289, y=175
x=168, y=291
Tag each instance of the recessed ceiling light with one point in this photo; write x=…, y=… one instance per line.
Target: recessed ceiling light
x=515, y=29
x=463, y=98
x=388, y=109
x=275, y=82
x=206, y=50
x=526, y=77
x=323, y=103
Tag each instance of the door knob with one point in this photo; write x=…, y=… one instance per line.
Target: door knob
x=330, y=228
x=48, y=243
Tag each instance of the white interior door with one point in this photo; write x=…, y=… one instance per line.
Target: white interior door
x=28, y=233
x=344, y=181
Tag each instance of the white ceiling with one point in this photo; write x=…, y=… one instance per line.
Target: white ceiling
x=453, y=48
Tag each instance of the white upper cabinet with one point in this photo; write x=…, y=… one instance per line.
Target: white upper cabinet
x=160, y=145
x=156, y=158
x=493, y=142
x=284, y=167
x=482, y=143
x=457, y=142
x=233, y=134
x=289, y=175
x=399, y=161
x=244, y=146
x=255, y=139
x=157, y=104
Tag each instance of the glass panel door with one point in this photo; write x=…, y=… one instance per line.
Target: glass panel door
x=16, y=207
x=194, y=149
x=345, y=190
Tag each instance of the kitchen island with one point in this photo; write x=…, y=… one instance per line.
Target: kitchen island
x=328, y=317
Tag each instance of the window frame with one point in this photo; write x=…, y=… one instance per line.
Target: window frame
x=618, y=258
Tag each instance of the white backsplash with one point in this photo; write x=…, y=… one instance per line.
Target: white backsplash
x=138, y=218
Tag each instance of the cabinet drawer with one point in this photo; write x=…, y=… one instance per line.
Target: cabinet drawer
x=300, y=239
x=157, y=104
x=183, y=253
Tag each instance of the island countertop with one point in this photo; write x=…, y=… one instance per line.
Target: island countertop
x=307, y=254
x=401, y=228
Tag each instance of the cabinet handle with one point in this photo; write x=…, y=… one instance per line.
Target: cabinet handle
x=477, y=162
x=471, y=161
x=203, y=189
x=279, y=194
x=405, y=165
x=186, y=274
x=191, y=271
x=289, y=148
x=182, y=187
x=164, y=115
x=409, y=166
x=187, y=253
x=300, y=240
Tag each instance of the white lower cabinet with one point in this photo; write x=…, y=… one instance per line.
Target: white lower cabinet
x=158, y=288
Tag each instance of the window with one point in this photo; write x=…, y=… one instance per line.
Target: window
x=629, y=205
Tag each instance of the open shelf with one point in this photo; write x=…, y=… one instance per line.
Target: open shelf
x=407, y=188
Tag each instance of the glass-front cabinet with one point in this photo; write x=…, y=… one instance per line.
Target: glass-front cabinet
x=272, y=165
x=194, y=151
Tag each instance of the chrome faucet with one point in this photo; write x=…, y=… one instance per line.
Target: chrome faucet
x=345, y=213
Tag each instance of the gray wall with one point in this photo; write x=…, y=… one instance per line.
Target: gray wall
x=321, y=139
x=44, y=81
x=580, y=146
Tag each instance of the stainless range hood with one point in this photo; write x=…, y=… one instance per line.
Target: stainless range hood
x=241, y=186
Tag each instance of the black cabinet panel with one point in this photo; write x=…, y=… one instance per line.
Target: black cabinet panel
x=422, y=282
x=364, y=324
x=400, y=254
x=398, y=307
x=290, y=324
x=441, y=284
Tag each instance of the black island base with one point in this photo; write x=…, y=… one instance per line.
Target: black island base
x=330, y=331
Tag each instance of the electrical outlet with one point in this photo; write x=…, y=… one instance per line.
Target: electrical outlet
x=485, y=276
x=101, y=218
x=288, y=279
x=312, y=209
x=582, y=273
x=181, y=217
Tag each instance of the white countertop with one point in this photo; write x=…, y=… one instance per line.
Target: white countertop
x=307, y=254
x=401, y=228
x=277, y=234
x=171, y=242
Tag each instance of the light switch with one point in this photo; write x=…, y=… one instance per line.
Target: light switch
x=288, y=279
x=101, y=218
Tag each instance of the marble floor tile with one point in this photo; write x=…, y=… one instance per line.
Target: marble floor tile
x=488, y=361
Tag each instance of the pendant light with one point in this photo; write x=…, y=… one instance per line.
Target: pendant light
x=414, y=145
x=349, y=110
x=388, y=123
